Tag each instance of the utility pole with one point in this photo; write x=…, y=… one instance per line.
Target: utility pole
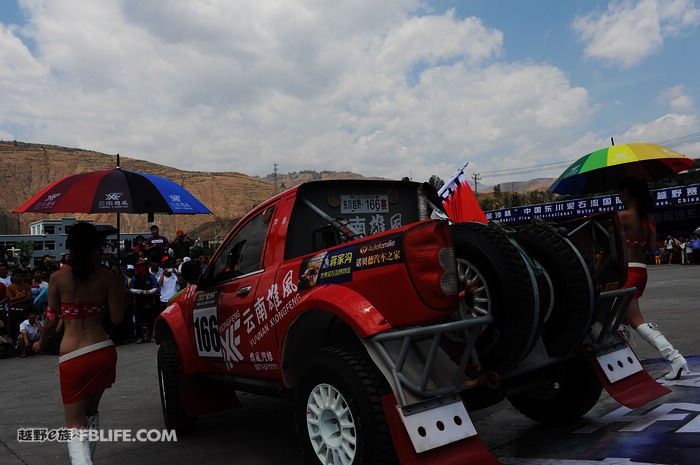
x=477, y=178
x=275, y=176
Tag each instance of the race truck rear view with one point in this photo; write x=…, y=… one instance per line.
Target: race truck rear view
x=385, y=323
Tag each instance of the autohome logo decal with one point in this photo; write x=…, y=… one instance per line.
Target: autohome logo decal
x=385, y=251
x=378, y=246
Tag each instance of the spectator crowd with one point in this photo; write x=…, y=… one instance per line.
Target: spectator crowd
x=151, y=270
x=682, y=249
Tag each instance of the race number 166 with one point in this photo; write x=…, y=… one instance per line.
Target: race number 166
x=206, y=332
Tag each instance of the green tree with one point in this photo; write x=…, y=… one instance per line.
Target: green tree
x=497, y=191
x=489, y=203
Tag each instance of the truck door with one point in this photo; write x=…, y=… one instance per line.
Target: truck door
x=236, y=274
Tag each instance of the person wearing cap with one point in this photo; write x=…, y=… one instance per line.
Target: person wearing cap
x=29, y=333
x=155, y=246
x=181, y=244
x=167, y=287
x=144, y=290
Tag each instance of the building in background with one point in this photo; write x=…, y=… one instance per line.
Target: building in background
x=48, y=237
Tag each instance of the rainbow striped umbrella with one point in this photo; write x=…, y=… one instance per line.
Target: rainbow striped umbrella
x=604, y=169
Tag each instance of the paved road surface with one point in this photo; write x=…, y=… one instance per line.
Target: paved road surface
x=262, y=432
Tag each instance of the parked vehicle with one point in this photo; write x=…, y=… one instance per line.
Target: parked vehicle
x=385, y=323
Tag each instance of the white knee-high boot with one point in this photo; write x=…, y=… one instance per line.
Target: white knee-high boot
x=656, y=339
x=93, y=423
x=79, y=448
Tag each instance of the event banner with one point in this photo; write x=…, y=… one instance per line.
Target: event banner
x=663, y=198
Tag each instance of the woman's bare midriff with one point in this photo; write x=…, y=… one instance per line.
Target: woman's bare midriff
x=81, y=333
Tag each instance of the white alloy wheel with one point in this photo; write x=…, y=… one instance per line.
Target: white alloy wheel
x=331, y=426
x=476, y=293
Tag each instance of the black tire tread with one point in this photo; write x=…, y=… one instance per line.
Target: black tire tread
x=573, y=309
x=174, y=416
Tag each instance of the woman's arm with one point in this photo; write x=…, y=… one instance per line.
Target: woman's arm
x=651, y=244
x=115, y=298
x=46, y=333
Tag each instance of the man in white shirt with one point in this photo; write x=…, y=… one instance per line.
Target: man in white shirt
x=5, y=278
x=29, y=332
x=168, y=286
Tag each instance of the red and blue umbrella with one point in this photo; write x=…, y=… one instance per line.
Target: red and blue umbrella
x=604, y=169
x=114, y=191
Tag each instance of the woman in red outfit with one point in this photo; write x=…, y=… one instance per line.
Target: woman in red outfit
x=81, y=293
x=640, y=229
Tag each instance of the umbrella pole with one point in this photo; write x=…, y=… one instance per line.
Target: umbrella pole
x=119, y=245
x=119, y=240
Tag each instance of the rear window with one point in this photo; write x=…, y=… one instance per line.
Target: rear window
x=365, y=208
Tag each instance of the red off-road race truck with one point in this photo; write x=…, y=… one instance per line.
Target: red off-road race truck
x=385, y=323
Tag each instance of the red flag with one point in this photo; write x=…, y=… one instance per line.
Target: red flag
x=459, y=200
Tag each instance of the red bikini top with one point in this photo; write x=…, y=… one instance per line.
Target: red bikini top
x=76, y=310
x=640, y=242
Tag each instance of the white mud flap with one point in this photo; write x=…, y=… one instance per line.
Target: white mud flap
x=437, y=426
x=619, y=364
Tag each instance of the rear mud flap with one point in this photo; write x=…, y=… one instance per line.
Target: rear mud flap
x=467, y=450
x=625, y=380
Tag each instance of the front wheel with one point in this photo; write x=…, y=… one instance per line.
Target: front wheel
x=169, y=377
x=339, y=416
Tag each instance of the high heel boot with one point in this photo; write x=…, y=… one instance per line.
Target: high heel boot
x=79, y=448
x=656, y=339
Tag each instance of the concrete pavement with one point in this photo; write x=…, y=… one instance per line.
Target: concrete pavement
x=262, y=432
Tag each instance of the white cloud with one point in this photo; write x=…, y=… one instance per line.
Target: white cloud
x=677, y=100
x=665, y=127
x=239, y=86
x=629, y=31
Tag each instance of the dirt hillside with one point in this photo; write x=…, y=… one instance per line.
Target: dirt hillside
x=29, y=167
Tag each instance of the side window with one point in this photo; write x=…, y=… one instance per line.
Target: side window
x=243, y=254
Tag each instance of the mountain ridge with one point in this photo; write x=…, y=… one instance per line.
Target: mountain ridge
x=29, y=167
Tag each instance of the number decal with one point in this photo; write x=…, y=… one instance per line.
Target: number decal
x=206, y=332
x=364, y=203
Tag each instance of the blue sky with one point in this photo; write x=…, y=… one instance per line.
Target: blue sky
x=519, y=89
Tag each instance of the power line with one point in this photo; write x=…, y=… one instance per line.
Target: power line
x=677, y=142
x=682, y=140
x=528, y=168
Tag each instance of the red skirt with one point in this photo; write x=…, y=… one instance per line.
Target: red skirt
x=636, y=277
x=89, y=373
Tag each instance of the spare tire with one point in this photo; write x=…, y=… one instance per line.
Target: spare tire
x=495, y=280
x=566, y=289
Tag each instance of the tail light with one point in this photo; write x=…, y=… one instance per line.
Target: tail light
x=430, y=260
